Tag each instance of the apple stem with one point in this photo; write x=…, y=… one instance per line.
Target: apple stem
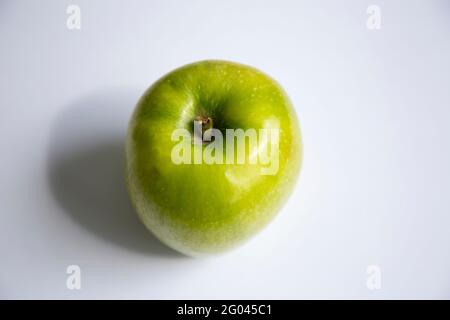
x=207, y=123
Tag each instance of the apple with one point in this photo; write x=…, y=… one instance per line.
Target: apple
x=213, y=151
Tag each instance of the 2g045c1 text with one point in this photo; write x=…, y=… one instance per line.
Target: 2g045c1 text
x=232, y=309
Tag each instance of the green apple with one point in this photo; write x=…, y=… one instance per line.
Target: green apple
x=203, y=195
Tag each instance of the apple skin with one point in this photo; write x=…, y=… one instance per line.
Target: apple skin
x=204, y=209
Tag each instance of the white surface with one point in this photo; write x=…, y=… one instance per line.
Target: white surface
x=374, y=107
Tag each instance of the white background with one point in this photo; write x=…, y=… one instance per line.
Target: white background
x=374, y=110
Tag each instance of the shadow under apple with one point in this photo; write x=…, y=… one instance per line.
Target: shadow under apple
x=86, y=170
